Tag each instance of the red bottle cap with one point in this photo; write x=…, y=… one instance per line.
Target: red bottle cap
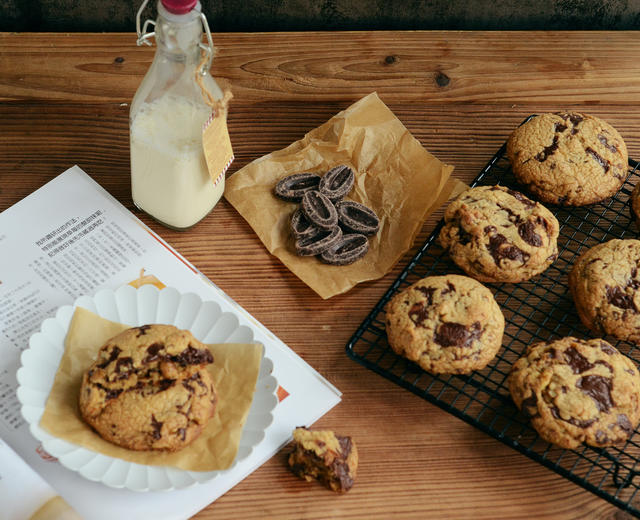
x=179, y=6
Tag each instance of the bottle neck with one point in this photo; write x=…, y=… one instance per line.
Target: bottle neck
x=178, y=36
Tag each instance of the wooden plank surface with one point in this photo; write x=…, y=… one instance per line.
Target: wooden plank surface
x=65, y=101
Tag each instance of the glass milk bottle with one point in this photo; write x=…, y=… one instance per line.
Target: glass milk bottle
x=169, y=176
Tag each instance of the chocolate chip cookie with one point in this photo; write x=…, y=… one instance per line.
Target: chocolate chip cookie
x=570, y=158
x=496, y=234
x=324, y=456
x=576, y=391
x=149, y=389
x=447, y=324
x=604, y=282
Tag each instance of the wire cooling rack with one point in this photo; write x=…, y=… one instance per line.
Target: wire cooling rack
x=537, y=310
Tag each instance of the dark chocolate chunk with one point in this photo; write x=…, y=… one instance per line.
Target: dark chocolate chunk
x=193, y=356
x=156, y=427
x=527, y=231
x=599, y=389
x=607, y=349
x=602, y=437
x=449, y=288
x=572, y=420
x=165, y=384
x=624, y=423
x=293, y=187
x=346, y=250
x=124, y=367
x=112, y=394
x=337, y=182
x=340, y=467
x=512, y=215
x=618, y=297
x=522, y=198
x=153, y=352
x=113, y=354
x=318, y=243
x=418, y=313
x=301, y=227
x=530, y=406
x=428, y=292
x=599, y=159
x=576, y=361
x=463, y=237
x=500, y=248
x=142, y=330
x=457, y=335
x=548, y=150
x=319, y=210
x=357, y=218
x=559, y=127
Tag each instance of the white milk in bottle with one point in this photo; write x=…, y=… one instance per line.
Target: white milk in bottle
x=169, y=176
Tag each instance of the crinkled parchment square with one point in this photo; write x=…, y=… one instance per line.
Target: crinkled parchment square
x=395, y=176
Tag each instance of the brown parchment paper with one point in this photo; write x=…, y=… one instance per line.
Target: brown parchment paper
x=234, y=371
x=395, y=176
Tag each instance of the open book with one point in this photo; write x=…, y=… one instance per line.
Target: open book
x=71, y=238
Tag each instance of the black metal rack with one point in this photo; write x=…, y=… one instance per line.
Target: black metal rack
x=536, y=310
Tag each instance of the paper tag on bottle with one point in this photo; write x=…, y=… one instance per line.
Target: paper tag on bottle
x=217, y=146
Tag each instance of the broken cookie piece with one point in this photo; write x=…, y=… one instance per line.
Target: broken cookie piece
x=324, y=456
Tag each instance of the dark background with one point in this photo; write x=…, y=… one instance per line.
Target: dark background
x=305, y=15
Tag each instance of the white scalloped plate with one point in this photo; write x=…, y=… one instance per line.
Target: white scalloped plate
x=134, y=307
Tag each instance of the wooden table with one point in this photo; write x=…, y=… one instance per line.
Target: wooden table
x=64, y=99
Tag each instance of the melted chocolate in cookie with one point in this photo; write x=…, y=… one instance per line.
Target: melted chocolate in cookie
x=428, y=292
x=193, y=356
x=577, y=361
x=418, y=313
x=527, y=231
x=599, y=389
x=115, y=352
x=142, y=330
x=457, y=335
x=548, y=150
x=616, y=296
x=606, y=165
x=500, y=248
x=519, y=196
x=156, y=427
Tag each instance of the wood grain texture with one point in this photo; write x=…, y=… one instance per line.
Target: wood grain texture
x=65, y=101
x=431, y=67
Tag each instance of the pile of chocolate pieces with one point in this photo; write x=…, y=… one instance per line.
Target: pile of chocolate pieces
x=326, y=226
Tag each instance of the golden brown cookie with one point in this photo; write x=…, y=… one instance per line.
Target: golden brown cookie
x=149, y=389
x=604, y=282
x=324, y=456
x=446, y=324
x=571, y=158
x=576, y=390
x=496, y=234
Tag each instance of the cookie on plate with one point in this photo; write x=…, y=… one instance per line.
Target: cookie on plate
x=149, y=389
x=496, y=234
x=571, y=158
x=604, y=282
x=447, y=324
x=324, y=456
x=576, y=390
